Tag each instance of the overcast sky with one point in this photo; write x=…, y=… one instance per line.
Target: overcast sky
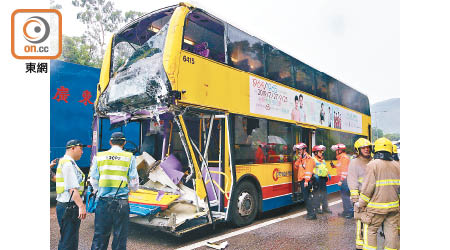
x=355, y=41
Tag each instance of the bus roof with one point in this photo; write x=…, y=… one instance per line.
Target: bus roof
x=252, y=32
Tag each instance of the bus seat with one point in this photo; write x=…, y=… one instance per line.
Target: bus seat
x=202, y=49
x=172, y=166
x=204, y=53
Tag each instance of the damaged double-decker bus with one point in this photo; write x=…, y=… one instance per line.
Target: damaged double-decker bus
x=211, y=114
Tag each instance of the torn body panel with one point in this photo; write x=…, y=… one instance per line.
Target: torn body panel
x=168, y=196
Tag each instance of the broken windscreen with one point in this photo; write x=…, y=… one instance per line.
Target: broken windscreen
x=138, y=80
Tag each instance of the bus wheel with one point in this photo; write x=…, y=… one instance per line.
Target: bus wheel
x=244, y=204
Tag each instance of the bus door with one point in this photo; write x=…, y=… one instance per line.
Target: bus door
x=301, y=134
x=207, y=135
x=213, y=150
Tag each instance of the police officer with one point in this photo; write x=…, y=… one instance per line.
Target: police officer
x=70, y=209
x=112, y=173
x=356, y=174
x=320, y=171
x=380, y=195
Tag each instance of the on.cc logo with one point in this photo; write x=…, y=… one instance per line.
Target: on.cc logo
x=36, y=29
x=36, y=34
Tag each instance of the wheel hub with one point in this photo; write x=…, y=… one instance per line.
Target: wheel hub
x=245, y=204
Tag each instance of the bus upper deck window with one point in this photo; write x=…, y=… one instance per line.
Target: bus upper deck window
x=278, y=66
x=245, y=52
x=333, y=91
x=303, y=77
x=321, y=85
x=203, y=35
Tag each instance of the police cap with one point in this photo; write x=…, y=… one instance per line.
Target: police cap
x=74, y=143
x=117, y=136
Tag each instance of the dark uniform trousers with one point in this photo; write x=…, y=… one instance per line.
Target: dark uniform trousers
x=345, y=196
x=109, y=217
x=68, y=228
x=321, y=197
x=306, y=191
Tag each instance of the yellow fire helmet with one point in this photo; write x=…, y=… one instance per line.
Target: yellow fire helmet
x=361, y=142
x=383, y=144
x=395, y=149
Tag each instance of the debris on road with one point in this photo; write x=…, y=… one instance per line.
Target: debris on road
x=220, y=246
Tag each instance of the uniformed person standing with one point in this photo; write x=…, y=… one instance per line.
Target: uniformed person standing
x=70, y=209
x=53, y=172
x=296, y=174
x=342, y=171
x=302, y=161
x=380, y=195
x=395, y=154
x=320, y=173
x=356, y=174
x=113, y=173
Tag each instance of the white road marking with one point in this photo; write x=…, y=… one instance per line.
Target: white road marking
x=248, y=229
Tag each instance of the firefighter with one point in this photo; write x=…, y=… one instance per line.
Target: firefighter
x=356, y=174
x=380, y=195
x=70, y=209
x=342, y=171
x=395, y=154
x=302, y=160
x=321, y=176
x=113, y=173
x=296, y=156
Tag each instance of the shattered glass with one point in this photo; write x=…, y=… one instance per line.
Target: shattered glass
x=140, y=81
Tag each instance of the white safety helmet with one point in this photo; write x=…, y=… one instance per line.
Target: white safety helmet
x=299, y=146
x=338, y=146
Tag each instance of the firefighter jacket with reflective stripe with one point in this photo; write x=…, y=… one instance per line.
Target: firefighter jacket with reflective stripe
x=309, y=169
x=113, y=168
x=60, y=187
x=300, y=165
x=342, y=166
x=356, y=174
x=320, y=167
x=381, y=187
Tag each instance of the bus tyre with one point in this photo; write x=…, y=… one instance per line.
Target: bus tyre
x=244, y=205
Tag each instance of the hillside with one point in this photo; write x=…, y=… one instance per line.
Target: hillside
x=386, y=115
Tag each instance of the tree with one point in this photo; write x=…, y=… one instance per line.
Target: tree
x=76, y=50
x=393, y=137
x=131, y=15
x=54, y=5
x=101, y=19
x=376, y=133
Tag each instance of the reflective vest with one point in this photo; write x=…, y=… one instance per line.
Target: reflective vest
x=113, y=168
x=320, y=168
x=300, y=166
x=60, y=179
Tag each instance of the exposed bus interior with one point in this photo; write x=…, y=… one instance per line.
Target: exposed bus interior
x=167, y=197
